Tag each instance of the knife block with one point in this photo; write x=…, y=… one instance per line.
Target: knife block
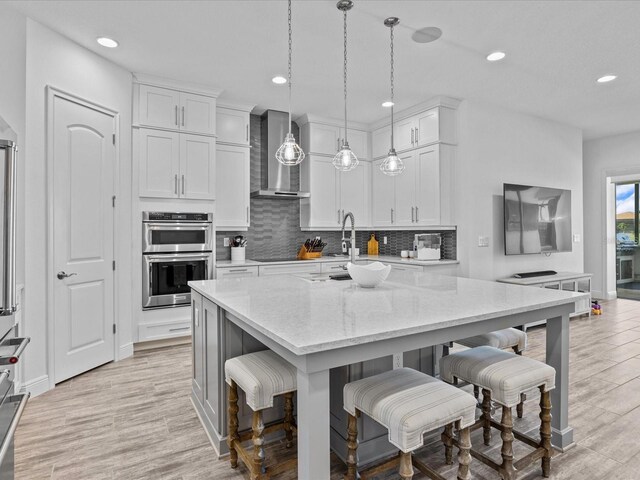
x=304, y=254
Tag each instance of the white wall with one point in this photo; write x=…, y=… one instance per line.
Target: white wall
x=499, y=146
x=605, y=157
x=13, y=46
x=54, y=60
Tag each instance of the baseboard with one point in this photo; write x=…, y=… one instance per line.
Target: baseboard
x=125, y=351
x=165, y=342
x=37, y=386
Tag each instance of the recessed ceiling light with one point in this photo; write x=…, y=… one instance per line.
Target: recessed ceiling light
x=495, y=56
x=607, y=78
x=387, y=104
x=107, y=42
x=279, y=80
x=426, y=35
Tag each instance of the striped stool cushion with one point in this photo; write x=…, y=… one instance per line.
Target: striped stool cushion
x=507, y=338
x=409, y=404
x=262, y=376
x=506, y=375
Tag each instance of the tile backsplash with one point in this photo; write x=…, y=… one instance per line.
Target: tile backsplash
x=275, y=225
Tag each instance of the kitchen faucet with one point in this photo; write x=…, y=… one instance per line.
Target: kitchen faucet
x=353, y=234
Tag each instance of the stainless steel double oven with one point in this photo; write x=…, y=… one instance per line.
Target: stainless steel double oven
x=176, y=249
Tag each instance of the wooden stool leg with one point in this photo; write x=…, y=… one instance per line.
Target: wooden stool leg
x=352, y=448
x=520, y=407
x=447, y=439
x=464, y=455
x=288, y=418
x=258, y=446
x=233, y=424
x=406, y=466
x=506, y=469
x=545, y=430
x=486, y=416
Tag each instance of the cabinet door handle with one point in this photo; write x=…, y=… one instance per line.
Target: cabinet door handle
x=183, y=184
x=183, y=116
x=247, y=132
x=392, y=215
x=176, y=115
x=412, y=136
x=179, y=329
x=175, y=184
x=338, y=216
x=412, y=209
x=416, y=214
x=247, y=214
x=238, y=270
x=338, y=144
x=417, y=135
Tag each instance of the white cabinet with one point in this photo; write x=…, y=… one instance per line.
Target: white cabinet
x=176, y=165
x=172, y=109
x=236, y=272
x=232, y=187
x=414, y=197
x=287, y=269
x=232, y=126
x=333, y=193
x=324, y=139
x=403, y=134
x=197, y=167
x=381, y=142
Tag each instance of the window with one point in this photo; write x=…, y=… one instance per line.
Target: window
x=627, y=196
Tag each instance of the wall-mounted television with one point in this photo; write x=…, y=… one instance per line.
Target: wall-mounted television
x=536, y=219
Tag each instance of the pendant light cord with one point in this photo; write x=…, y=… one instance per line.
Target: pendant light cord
x=345, y=77
x=392, y=105
x=289, y=74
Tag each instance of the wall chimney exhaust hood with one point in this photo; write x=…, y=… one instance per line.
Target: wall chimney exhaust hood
x=275, y=178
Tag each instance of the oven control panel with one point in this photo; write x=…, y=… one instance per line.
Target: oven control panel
x=176, y=217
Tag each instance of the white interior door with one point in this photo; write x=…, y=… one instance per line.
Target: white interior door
x=83, y=164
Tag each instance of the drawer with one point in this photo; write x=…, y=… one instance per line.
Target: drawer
x=236, y=272
x=289, y=268
x=160, y=330
x=333, y=267
x=400, y=268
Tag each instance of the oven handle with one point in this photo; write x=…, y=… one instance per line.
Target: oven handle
x=24, y=398
x=15, y=356
x=177, y=257
x=173, y=226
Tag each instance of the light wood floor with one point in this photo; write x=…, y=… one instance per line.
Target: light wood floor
x=134, y=420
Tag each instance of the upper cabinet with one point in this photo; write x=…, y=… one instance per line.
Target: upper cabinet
x=325, y=137
x=175, y=110
x=435, y=125
x=232, y=187
x=232, y=126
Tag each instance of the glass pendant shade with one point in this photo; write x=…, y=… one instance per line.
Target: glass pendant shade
x=392, y=165
x=345, y=160
x=289, y=152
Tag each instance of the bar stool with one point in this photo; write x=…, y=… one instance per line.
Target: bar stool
x=503, y=377
x=507, y=338
x=409, y=404
x=262, y=376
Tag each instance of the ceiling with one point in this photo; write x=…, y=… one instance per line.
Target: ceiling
x=555, y=52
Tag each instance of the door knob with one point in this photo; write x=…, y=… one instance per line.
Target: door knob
x=61, y=275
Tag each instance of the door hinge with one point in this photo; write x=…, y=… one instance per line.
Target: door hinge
x=114, y=265
x=113, y=137
x=114, y=328
x=113, y=201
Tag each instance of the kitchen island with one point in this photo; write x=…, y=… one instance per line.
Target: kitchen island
x=322, y=327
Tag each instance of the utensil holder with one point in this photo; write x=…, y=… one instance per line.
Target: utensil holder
x=238, y=254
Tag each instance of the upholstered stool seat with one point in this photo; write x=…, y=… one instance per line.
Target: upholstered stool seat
x=262, y=376
x=502, y=339
x=409, y=404
x=504, y=377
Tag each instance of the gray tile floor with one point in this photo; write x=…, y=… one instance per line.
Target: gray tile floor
x=134, y=420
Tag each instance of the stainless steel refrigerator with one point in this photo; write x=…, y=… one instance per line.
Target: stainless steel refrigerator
x=12, y=404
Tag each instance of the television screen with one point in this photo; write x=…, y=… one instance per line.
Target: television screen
x=536, y=219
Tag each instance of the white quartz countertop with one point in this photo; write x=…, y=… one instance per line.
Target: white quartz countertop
x=307, y=317
x=343, y=258
x=558, y=277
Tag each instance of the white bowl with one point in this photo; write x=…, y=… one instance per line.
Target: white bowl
x=368, y=276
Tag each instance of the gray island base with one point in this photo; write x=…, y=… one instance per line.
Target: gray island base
x=334, y=332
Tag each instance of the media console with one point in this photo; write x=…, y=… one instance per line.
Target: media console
x=568, y=281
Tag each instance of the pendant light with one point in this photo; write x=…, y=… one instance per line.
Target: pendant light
x=289, y=153
x=345, y=159
x=392, y=165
